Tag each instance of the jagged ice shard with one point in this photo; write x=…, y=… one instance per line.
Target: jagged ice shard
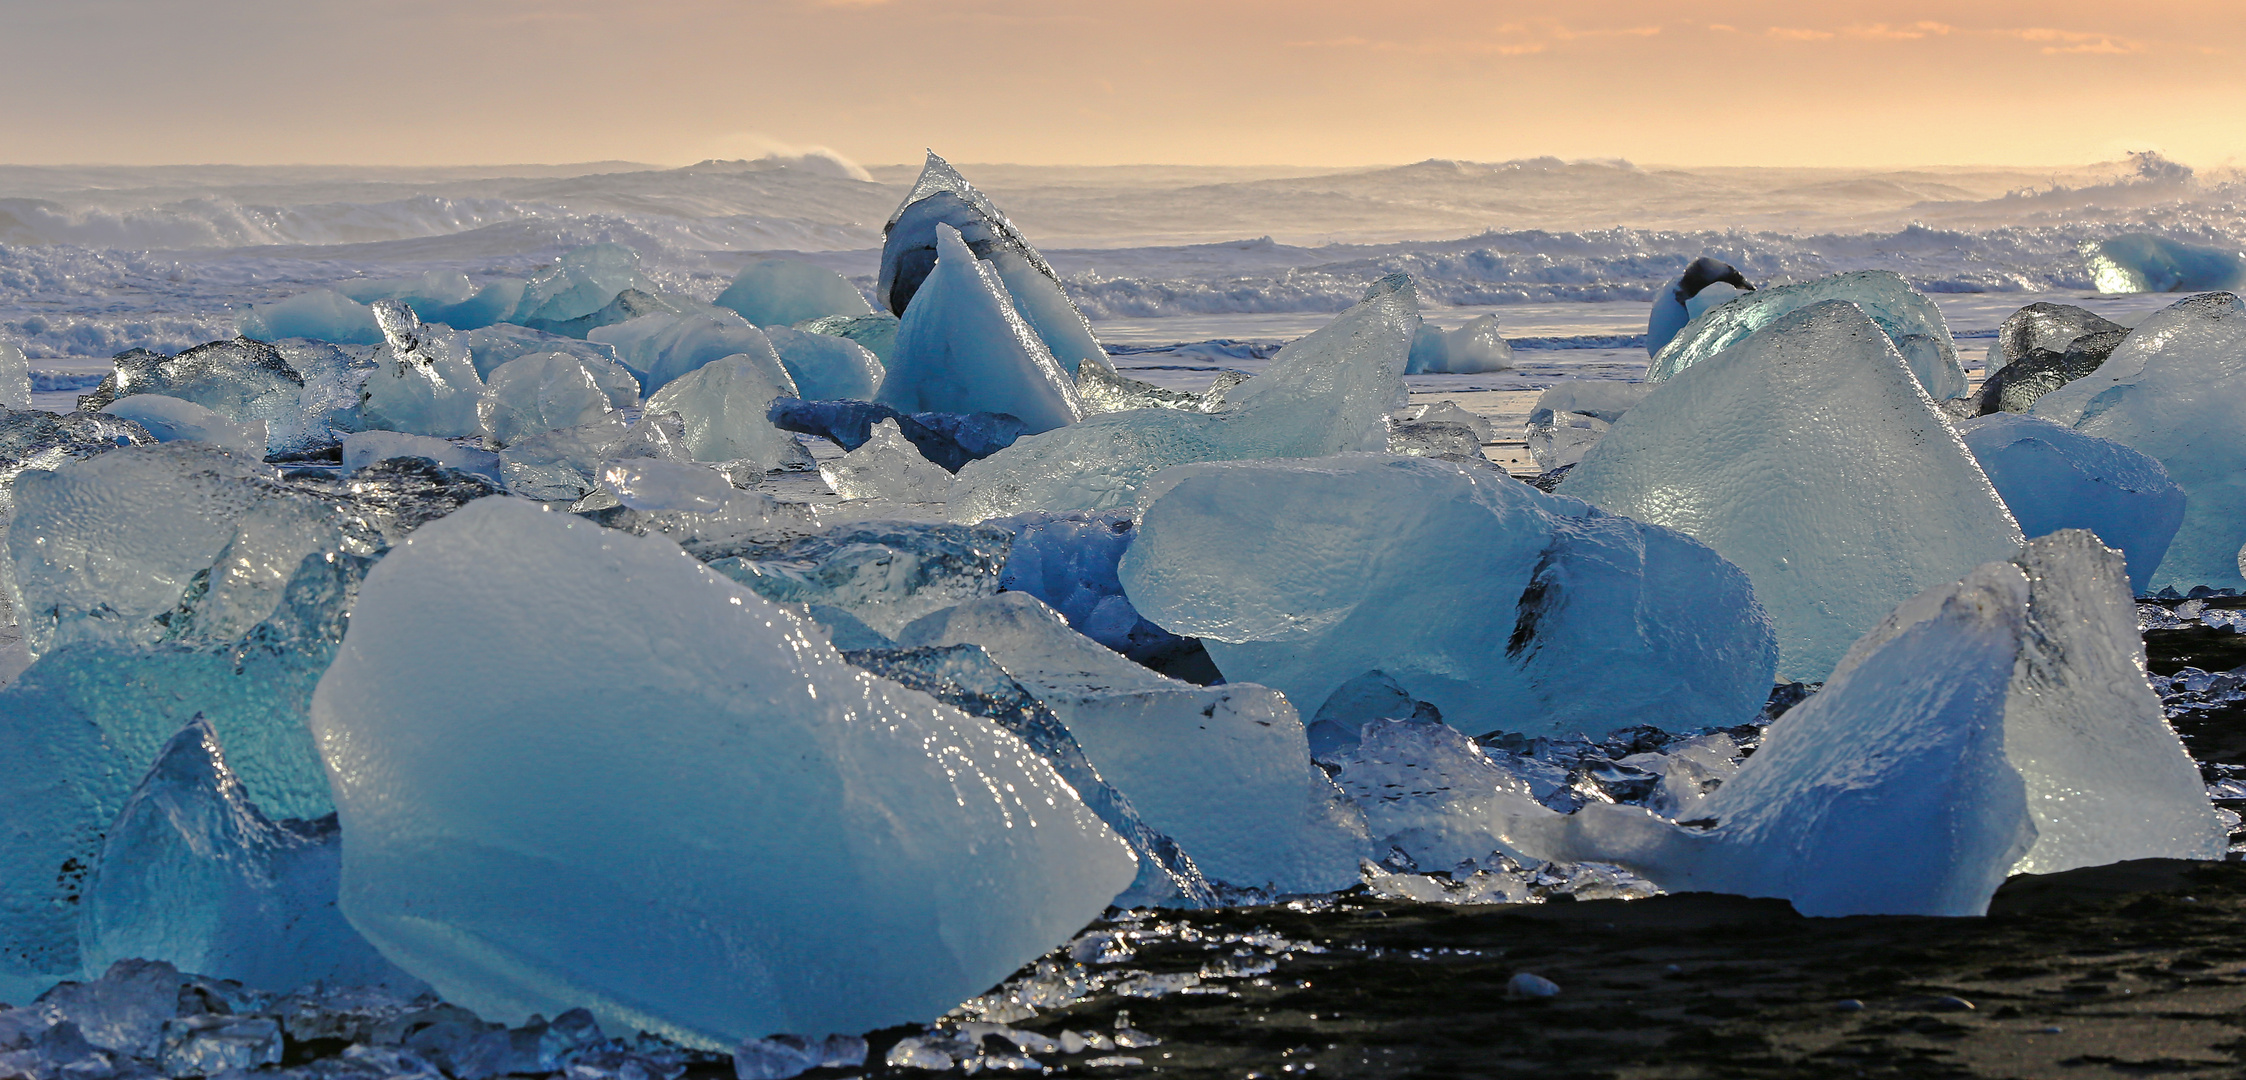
x=425, y=380
x=15, y=378
x=541, y=392
x=2054, y=477
x=883, y=856
x=909, y=251
x=963, y=348
x=723, y=409
x=1999, y=724
x=2175, y=390
x=1327, y=393
x=1910, y=320
x=1471, y=590
x=1808, y=456
x=1224, y=770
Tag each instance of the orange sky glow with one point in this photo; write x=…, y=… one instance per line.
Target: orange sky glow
x=1311, y=82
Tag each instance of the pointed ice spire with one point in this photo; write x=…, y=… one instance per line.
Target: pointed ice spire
x=963, y=347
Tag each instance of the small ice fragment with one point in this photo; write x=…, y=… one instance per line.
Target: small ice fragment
x=650, y=484
x=1467, y=350
x=424, y=381
x=211, y=1045
x=15, y=378
x=535, y=394
x=885, y=466
x=1569, y=418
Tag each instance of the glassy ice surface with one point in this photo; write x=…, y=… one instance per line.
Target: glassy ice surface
x=886, y=573
x=876, y=332
x=582, y=282
x=555, y=853
x=1808, y=456
x=962, y=347
x=15, y=378
x=2174, y=390
x=2047, y=326
x=662, y=347
x=491, y=346
x=724, y=408
x=565, y=465
x=170, y=419
x=321, y=314
x=1910, y=320
x=244, y=381
x=826, y=367
x=1472, y=348
x=2054, y=477
x=886, y=466
x=2143, y=263
x=535, y=394
x=364, y=448
x=1328, y=393
x=784, y=292
x=1469, y=589
x=1428, y=790
x=1225, y=770
x=424, y=381
x=650, y=484
x=1568, y=418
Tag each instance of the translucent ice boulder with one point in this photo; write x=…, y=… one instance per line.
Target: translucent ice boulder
x=1997, y=725
x=1672, y=306
x=2054, y=477
x=660, y=348
x=1471, y=590
x=322, y=315
x=963, y=348
x=534, y=394
x=2140, y=262
x=725, y=408
x=15, y=378
x=885, y=466
x=826, y=367
x=2174, y=390
x=424, y=381
x=1910, y=320
x=1570, y=416
x=1474, y=347
x=784, y=292
x=364, y=448
x=942, y=198
x=886, y=573
x=583, y=282
x=193, y=873
x=652, y=484
x=1809, y=457
x=242, y=380
x=2046, y=326
x=170, y=419
x=1327, y=393
x=565, y=464
x=886, y=856
x=1225, y=770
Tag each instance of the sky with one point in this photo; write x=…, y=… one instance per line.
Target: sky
x=1307, y=82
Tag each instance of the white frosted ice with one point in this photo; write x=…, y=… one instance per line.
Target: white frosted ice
x=2054, y=477
x=826, y=367
x=2175, y=390
x=725, y=406
x=1471, y=590
x=1327, y=393
x=677, y=805
x=534, y=394
x=887, y=466
x=170, y=419
x=1224, y=770
x=784, y=292
x=364, y=448
x=1808, y=456
x=1910, y=320
x=15, y=378
x=963, y=348
x=424, y=381
x=662, y=347
x=1570, y=416
x=320, y=314
x=194, y=874
x=651, y=484
x=1474, y=347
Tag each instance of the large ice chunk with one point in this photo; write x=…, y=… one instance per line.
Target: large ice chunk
x=1910, y=320
x=2175, y=390
x=1327, y=393
x=885, y=466
x=1999, y=724
x=2141, y=262
x=1570, y=416
x=1465, y=350
x=1471, y=590
x=1225, y=770
x=15, y=378
x=2054, y=477
x=1808, y=456
x=826, y=367
x=660, y=348
x=241, y=380
x=725, y=407
x=560, y=850
x=942, y=198
x=534, y=394
x=321, y=314
x=193, y=873
x=170, y=419
x=962, y=347
x=425, y=380
x=784, y=292
x=583, y=282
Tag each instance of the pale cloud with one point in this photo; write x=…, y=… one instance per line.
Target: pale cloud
x=2056, y=42
x=1509, y=39
x=1908, y=32
x=1799, y=33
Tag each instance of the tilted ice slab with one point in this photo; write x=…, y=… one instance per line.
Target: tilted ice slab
x=941, y=197
x=724, y=408
x=784, y=292
x=1473, y=591
x=1225, y=770
x=677, y=806
x=534, y=394
x=171, y=419
x=193, y=873
x=424, y=381
x=2054, y=477
x=1327, y=393
x=963, y=348
x=2000, y=724
x=662, y=347
x=2175, y=390
x=826, y=367
x=1911, y=321
x=1808, y=456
